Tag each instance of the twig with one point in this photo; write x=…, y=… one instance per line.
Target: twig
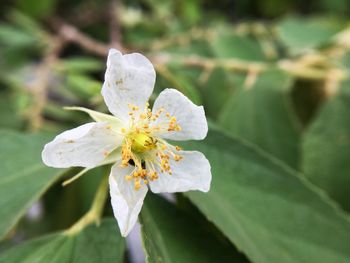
x=96, y=210
x=71, y=34
x=294, y=68
x=39, y=88
x=115, y=28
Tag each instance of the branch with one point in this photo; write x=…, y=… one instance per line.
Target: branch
x=294, y=68
x=115, y=28
x=39, y=89
x=96, y=210
x=71, y=34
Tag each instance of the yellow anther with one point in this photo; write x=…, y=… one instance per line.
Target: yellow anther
x=178, y=148
x=143, y=173
x=133, y=107
x=177, y=157
x=123, y=130
x=137, y=185
x=128, y=177
x=153, y=176
x=123, y=165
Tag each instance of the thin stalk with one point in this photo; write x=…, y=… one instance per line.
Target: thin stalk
x=96, y=210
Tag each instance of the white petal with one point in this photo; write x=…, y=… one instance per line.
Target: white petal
x=190, y=117
x=190, y=173
x=129, y=79
x=86, y=146
x=126, y=201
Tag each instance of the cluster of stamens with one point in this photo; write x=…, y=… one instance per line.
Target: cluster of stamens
x=141, y=149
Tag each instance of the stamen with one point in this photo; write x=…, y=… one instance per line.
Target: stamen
x=137, y=185
x=128, y=177
x=133, y=107
x=143, y=151
x=177, y=157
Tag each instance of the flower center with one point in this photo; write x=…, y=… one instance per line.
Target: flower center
x=150, y=156
x=141, y=142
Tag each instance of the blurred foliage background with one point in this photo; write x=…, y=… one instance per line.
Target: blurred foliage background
x=273, y=73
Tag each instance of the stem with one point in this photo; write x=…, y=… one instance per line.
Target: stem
x=40, y=86
x=115, y=28
x=96, y=210
x=70, y=33
x=75, y=177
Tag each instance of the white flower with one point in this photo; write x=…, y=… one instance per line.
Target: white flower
x=134, y=139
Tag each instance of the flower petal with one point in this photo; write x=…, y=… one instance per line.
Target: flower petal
x=126, y=201
x=129, y=79
x=87, y=146
x=190, y=173
x=190, y=117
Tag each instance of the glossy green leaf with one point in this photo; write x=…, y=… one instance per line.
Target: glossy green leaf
x=228, y=45
x=265, y=209
x=23, y=176
x=12, y=36
x=37, y=8
x=83, y=85
x=80, y=64
x=301, y=34
x=326, y=149
x=101, y=243
x=9, y=115
x=263, y=115
x=172, y=235
x=218, y=89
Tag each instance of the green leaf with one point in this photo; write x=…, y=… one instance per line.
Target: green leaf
x=301, y=34
x=218, y=89
x=80, y=64
x=14, y=37
x=263, y=207
x=326, y=149
x=227, y=45
x=172, y=235
x=83, y=85
x=23, y=176
x=263, y=115
x=196, y=46
x=182, y=80
x=36, y=8
x=9, y=115
x=94, y=244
